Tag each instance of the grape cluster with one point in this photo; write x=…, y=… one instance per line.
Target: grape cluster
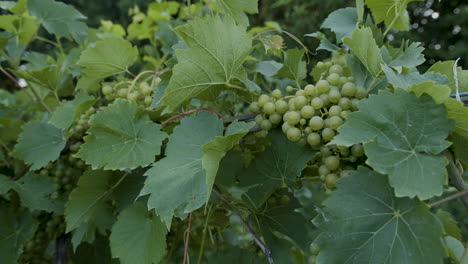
x=313, y=115
x=141, y=94
x=80, y=126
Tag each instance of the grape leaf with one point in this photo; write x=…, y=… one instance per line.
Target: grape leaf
x=294, y=67
x=125, y=134
x=450, y=225
x=404, y=144
x=411, y=56
x=363, y=45
x=446, y=68
x=64, y=116
x=88, y=199
x=97, y=252
x=281, y=163
x=215, y=53
x=283, y=218
x=178, y=181
x=16, y=7
x=406, y=80
x=236, y=8
x=456, y=249
x=102, y=221
x=392, y=12
x=101, y=61
x=33, y=190
x=144, y=232
x=59, y=19
x=342, y=21
x=216, y=149
x=268, y=68
x=362, y=222
x=39, y=143
x=15, y=229
x=23, y=26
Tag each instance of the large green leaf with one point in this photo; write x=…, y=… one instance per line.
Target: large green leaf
x=121, y=137
x=411, y=56
x=33, y=190
x=106, y=58
x=15, y=229
x=280, y=164
x=179, y=180
x=59, y=19
x=236, y=8
x=294, y=67
x=138, y=236
x=342, y=21
x=64, y=116
x=89, y=198
x=362, y=222
x=216, y=149
x=23, y=26
x=39, y=143
x=450, y=225
x=215, y=53
x=446, y=68
x=363, y=45
x=403, y=136
x=392, y=12
x=406, y=80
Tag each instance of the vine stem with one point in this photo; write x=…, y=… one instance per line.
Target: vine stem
x=449, y=198
x=205, y=229
x=257, y=239
x=190, y=112
x=187, y=239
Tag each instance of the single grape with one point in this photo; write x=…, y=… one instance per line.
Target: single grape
x=320, y=65
x=145, y=89
x=345, y=103
x=265, y=124
x=285, y=199
x=335, y=122
x=343, y=80
x=258, y=119
x=263, y=99
x=254, y=108
x=285, y=127
x=310, y=90
x=331, y=179
x=335, y=110
x=316, y=103
x=345, y=114
x=351, y=79
x=348, y=89
x=325, y=99
x=107, y=90
x=357, y=150
x=361, y=93
x=303, y=121
x=313, y=139
x=122, y=92
x=334, y=79
x=289, y=89
x=281, y=107
x=328, y=134
x=133, y=96
x=269, y=108
x=275, y=118
x=336, y=69
x=322, y=86
x=299, y=92
x=354, y=104
x=300, y=101
x=325, y=151
x=307, y=112
x=328, y=64
x=292, y=105
x=308, y=130
x=316, y=123
x=332, y=163
x=334, y=96
x=277, y=94
x=323, y=170
x=293, y=118
x=294, y=134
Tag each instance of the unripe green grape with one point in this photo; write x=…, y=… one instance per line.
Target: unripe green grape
x=106, y=90
x=351, y=79
x=331, y=179
x=328, y=134
x=289, y=89
x=254, y=108
x=307, y=112
x=258, y=119
x=300, y=101
x=122, y=92
x=281, y=107
x=325, y=151
x=334, y=79
x=357, y=150
x=277, y=94
x=133, y=96
x=310, y=90
x=316, y=123
x=316, y=103
x=320, y=65
x=75, y=147
x=344, y=151
x=269, y=108
x=334, y=96
x=343, y=80
x=275, y=118
x=148, y=100
x=285, y=199
x=361, y=93
x=335, y=110
x=314, y=139
x=266, y=124
x=322, y=86
x=325, y=99
x=345, y=103
x=336, y=69
x=294, y=134
x=348, y=89
x=292, y=105
x=145, y=89
x=332, y=163
x=335, y=122
x=323, y=170
x=328, y=64
x=293, y=118
x=307, y=130
x=299, y=92
x=303, y=121
x=263, y=99
x=285, y=127
x=344, y=114
x=302, y=141
x=334, y=88
x=354, y=104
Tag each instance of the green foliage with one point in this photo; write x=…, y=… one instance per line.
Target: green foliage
x=363, y=45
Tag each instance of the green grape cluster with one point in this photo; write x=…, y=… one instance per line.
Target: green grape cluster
x=80, y=126
x=141, y=94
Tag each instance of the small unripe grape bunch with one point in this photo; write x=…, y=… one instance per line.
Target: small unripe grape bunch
x=269, y=109
x=140, y=93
